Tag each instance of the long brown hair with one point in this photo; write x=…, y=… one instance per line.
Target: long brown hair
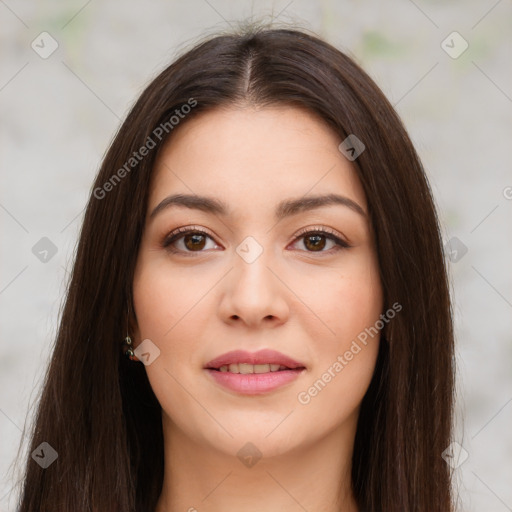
x=97, y=409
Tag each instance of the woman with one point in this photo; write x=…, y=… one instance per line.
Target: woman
x=261, y=244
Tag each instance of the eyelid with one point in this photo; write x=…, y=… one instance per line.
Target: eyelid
x=175, y=235
x=323, y=229
x=186, y=229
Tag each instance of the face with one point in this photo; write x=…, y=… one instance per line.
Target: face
x=301, y=280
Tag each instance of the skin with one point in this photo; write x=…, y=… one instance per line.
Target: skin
x=199, y=303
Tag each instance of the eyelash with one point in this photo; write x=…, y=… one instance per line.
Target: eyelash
x=181, y=232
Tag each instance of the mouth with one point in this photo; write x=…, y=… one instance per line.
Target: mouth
x=247, y=369
x=254, y=373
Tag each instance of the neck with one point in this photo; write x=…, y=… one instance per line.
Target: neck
x=200, y=478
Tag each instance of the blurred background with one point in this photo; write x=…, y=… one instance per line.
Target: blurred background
x=70, y=71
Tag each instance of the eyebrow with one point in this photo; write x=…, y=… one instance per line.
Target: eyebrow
x=284, y=209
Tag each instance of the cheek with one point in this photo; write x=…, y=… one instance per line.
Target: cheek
x=165, y=300
x=167, y=305
x=358, y=306
x=164, y=306
x=347, y=299
x=345, y=360
x=334, y=393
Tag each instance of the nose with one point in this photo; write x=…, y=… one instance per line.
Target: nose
x=254, y=293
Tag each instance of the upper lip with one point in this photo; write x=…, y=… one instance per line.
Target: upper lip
x=265, y=356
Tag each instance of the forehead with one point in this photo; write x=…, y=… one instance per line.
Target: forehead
x=254, y=157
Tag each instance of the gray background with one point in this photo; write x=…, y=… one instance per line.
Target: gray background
x=58, y=115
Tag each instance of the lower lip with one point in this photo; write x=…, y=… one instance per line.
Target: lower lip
x=254, y=383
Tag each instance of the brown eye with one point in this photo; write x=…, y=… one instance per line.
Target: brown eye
x=315, y=242
x=194, y=241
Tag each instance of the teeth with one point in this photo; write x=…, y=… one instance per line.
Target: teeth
x=246, y=368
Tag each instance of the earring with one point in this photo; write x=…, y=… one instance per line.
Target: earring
x=129, y=352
